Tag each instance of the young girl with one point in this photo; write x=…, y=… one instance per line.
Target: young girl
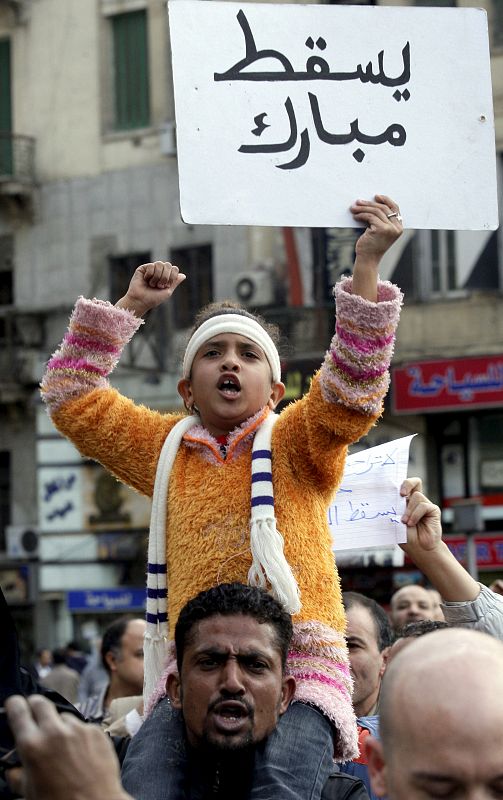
x=221, y=471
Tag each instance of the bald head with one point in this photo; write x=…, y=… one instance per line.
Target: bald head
x=409, y=604
x=431, y=739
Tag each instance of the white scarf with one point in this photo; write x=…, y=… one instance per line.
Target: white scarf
x=269, y=564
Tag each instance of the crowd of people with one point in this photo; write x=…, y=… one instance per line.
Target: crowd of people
x=260, y=679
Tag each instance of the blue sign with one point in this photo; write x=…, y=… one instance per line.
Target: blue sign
x=111, y=600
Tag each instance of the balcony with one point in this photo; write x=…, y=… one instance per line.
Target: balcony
x=17, y=168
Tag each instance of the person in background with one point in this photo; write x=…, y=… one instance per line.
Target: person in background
x=94, y=676
x=369, y=637
x=43, y=663
x=465, y=601
x=436, y=602
x=62, y=678
x=441, y=725
x=408, y=604
x=122, y=658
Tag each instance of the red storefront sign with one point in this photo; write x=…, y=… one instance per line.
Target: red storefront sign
x=449, y=384
x=489, y=550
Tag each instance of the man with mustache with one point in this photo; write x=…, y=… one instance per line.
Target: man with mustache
x=229, y=689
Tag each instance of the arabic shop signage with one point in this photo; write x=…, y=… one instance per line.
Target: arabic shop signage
x=111, y=600
x=489, y=550
x=286, y=114
x=448, y=385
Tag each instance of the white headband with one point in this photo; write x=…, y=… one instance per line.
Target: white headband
x=233, y=323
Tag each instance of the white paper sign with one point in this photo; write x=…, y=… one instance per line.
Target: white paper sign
x=286, y=114
x=368, y=507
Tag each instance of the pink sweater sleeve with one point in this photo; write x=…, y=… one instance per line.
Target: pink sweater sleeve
x=91, y=348
x=355, y=369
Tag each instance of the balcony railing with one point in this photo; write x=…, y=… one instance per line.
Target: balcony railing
x=17, y=158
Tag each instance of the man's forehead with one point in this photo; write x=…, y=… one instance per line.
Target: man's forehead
x=232, y=633
x=410, y=593
x=360, y=622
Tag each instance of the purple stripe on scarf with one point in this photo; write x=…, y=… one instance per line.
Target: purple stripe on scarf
x=153, y=619
x=261, y=454
x=262, y=476
x=263, y=500
x=157, y=569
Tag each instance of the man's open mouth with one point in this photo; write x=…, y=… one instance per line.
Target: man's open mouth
x=230, y=715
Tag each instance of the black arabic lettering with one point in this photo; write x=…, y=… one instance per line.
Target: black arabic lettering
x=281, y=146
x=253, y=55
x=394, y=134
x=317, y=68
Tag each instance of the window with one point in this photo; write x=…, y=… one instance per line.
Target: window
x=443, y=261
x=131, y=82
x=197, y=290
x=121, y=272
x=5, y=489
x=497, y=23
x=5, y=109
x=437, y=262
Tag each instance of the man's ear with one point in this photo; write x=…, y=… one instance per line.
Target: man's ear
x=110, y=660
x=376, y=766
x=185, y=392
x=277, y=394
x=174, y=690
x=287, y=693
x=384, y=663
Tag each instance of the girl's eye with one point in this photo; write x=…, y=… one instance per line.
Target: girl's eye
x=251, y=354
x=211, y=353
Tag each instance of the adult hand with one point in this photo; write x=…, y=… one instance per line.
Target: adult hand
x=384, y=226
x=150, y=286
x=422, y=517
x=62, y=758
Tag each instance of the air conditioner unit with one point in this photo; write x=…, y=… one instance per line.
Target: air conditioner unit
x=22, y=541
x=254, y=288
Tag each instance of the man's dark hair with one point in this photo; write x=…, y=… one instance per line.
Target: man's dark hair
x=227, y=600
x=382, y=625
x=112, y=639
x=59, y=655
x=420, y=627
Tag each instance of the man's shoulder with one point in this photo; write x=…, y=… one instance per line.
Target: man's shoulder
x=344, y=787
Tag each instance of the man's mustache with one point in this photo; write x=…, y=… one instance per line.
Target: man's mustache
x=230, y=698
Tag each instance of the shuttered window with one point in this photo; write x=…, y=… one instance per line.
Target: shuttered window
x=5, y=109
x=131, y=82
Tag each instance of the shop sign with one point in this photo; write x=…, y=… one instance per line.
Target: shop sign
x=449, y=384
x=489, y=550
x=111, y=600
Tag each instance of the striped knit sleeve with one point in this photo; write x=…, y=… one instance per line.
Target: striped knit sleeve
x=355, y=369
x=91, y=348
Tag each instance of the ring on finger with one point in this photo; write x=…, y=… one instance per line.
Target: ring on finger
x=396, y=214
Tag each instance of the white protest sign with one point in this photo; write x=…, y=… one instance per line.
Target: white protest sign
x=368, y=507
x=286, y=114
